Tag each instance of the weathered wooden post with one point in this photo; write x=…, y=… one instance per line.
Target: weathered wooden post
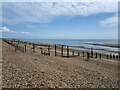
x=91, y=52
x=107, y=56
x=116, y=56
x=88, y=56
x=119, y=56
x=68, y=51
x=33, y=47
x=44, y=52
x=55, y=50
x=41, y=50
x=83, y=54
x=49, y=50
x=110, y=56
x=113, y=56
x=96, y=55
x=73, y=52
x=13, y=42
x=100, y=56
x=78, y=54
x=25, y=47
x=62, y=50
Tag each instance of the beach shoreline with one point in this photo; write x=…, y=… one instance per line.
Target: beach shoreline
x=107, y=45
x=79, y=45
x=35, y=70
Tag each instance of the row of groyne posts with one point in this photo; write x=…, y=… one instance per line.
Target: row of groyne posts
x=88, y=55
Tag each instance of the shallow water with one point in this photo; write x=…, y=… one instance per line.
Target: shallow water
x=79, y=42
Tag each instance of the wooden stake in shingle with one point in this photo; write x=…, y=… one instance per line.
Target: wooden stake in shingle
x=116, y=56
x=107, y=56
x=83, y=54
x=67, y=50
x=62, y=50
x=33, y=47
x=49, y=50
x=88, y=56
x=91, y=52
x=25, y=47
x=110, y=56
x=55, y=50
x=73, y=52
x=96, y=55
x=78, y=54
x=100, y=56
x=41, y=50
x=113, y=56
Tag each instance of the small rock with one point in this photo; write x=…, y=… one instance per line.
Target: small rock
x=42, y=71
x=41, y=84
x=103, y=86
x=35, y=70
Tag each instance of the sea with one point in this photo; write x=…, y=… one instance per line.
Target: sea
x=81, y=43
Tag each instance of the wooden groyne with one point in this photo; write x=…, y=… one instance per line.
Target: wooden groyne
x=59, y=50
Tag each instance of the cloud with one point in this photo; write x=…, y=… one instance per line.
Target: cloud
x=45, y=12
x=4, y=30
x=60, y=0
x=110, y=22
x=7, y=30
x=26, y=33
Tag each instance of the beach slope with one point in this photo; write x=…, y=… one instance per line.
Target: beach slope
x=34, y=70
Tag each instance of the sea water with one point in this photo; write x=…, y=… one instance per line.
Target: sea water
x=81, y=42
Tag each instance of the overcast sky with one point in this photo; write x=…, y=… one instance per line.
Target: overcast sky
x=61, y=20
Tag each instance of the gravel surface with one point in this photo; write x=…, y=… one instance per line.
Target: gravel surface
x=34, y=70
x=0, y=63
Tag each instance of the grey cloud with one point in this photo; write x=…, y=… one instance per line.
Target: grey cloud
x=39, y=12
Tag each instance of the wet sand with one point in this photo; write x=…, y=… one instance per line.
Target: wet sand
x=35, y=70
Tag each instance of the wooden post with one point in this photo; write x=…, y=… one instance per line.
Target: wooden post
x=41, y=50
x=88, y=56
x=100, y=56
x=55, y=50
x=78, y=54
x=83, y=54
x=44, y=52
x=91, y=52
x=67, y=50
x=119, y=56
x=116, y=56
x=107, y=56
x=49, y=50
x=25, y=47
x=110, y=56
x=33, y=47
x=73, y=52
x=113, y=56
x=62, y=51
x=96, y=55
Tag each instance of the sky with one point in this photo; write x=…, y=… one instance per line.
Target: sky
x=60, y=20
